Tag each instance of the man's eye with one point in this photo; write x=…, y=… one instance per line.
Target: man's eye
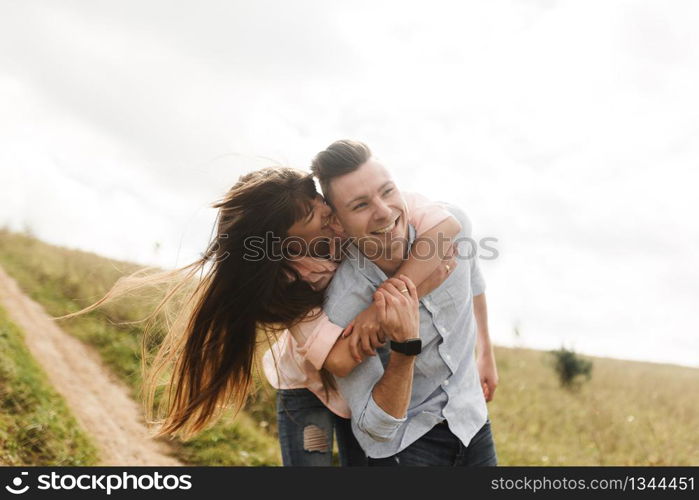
x=388, y=191
x=359, y=205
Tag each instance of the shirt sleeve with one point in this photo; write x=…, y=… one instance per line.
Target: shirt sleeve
x=369, y=417
x=468, y=247
x=349, y=293
x=315, y=338
x=477, y=280
x=424, y=214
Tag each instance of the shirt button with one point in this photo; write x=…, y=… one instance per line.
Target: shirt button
x=446, y=382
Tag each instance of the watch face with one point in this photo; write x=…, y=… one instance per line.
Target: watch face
x=414, y=346
x=411, y=347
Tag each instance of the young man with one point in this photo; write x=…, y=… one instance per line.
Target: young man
x=420, y=401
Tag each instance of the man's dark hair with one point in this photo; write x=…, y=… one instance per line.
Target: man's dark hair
x=340, y=158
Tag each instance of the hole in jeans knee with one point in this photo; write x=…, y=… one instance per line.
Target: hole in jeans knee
x=314, y=439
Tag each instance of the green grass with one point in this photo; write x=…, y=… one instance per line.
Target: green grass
x=64, y=280
x=36, y=427
x=629, y=413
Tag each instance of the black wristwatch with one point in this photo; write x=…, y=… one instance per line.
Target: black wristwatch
x=411, y=347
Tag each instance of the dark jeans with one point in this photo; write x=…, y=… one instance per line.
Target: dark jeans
x=306, y=432
x=441, y=447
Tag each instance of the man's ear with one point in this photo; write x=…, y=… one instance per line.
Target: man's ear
x=336, y=243
x=336, y=227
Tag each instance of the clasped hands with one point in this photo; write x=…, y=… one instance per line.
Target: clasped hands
x=392, y=316
x=377, y=323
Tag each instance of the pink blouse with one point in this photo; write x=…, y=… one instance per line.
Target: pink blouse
x=295, y=359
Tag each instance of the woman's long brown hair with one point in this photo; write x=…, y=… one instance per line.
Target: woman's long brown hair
x=244, y=287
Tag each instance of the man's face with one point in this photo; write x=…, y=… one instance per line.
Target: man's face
x=371, y=209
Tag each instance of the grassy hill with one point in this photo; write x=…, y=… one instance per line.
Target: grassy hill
x=64, y=281
x=629, y=413
x=36, y=427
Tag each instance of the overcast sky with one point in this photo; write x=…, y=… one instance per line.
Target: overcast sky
x=567, y=130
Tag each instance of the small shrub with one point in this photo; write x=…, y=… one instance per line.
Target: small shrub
x=571, y=368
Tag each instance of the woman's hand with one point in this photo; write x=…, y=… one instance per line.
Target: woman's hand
x=397, y=303
x=365, y=330
x=440, y=274
x=365, y=333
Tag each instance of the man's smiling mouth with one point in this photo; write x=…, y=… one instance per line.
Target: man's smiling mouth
x=386, y=229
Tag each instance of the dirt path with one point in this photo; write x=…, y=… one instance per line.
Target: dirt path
x=100, y=402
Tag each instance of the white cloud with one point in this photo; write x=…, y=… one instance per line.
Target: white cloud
x=565, y=129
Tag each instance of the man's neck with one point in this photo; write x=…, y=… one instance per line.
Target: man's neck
x=390, y=261
x=389, y=267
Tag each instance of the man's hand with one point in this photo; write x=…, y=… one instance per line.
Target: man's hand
x=488, y=373
x=365, y=333
x=397, y=303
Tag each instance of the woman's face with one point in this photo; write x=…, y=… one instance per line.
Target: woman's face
x=314, y=228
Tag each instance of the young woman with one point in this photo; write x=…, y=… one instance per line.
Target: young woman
x=223, y=303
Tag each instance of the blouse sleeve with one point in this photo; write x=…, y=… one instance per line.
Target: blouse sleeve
x=315, y=337
x=424, y=214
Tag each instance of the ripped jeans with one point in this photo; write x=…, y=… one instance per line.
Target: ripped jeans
x=306, y=428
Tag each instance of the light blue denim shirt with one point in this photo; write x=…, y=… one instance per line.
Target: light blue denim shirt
x=446, y=384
